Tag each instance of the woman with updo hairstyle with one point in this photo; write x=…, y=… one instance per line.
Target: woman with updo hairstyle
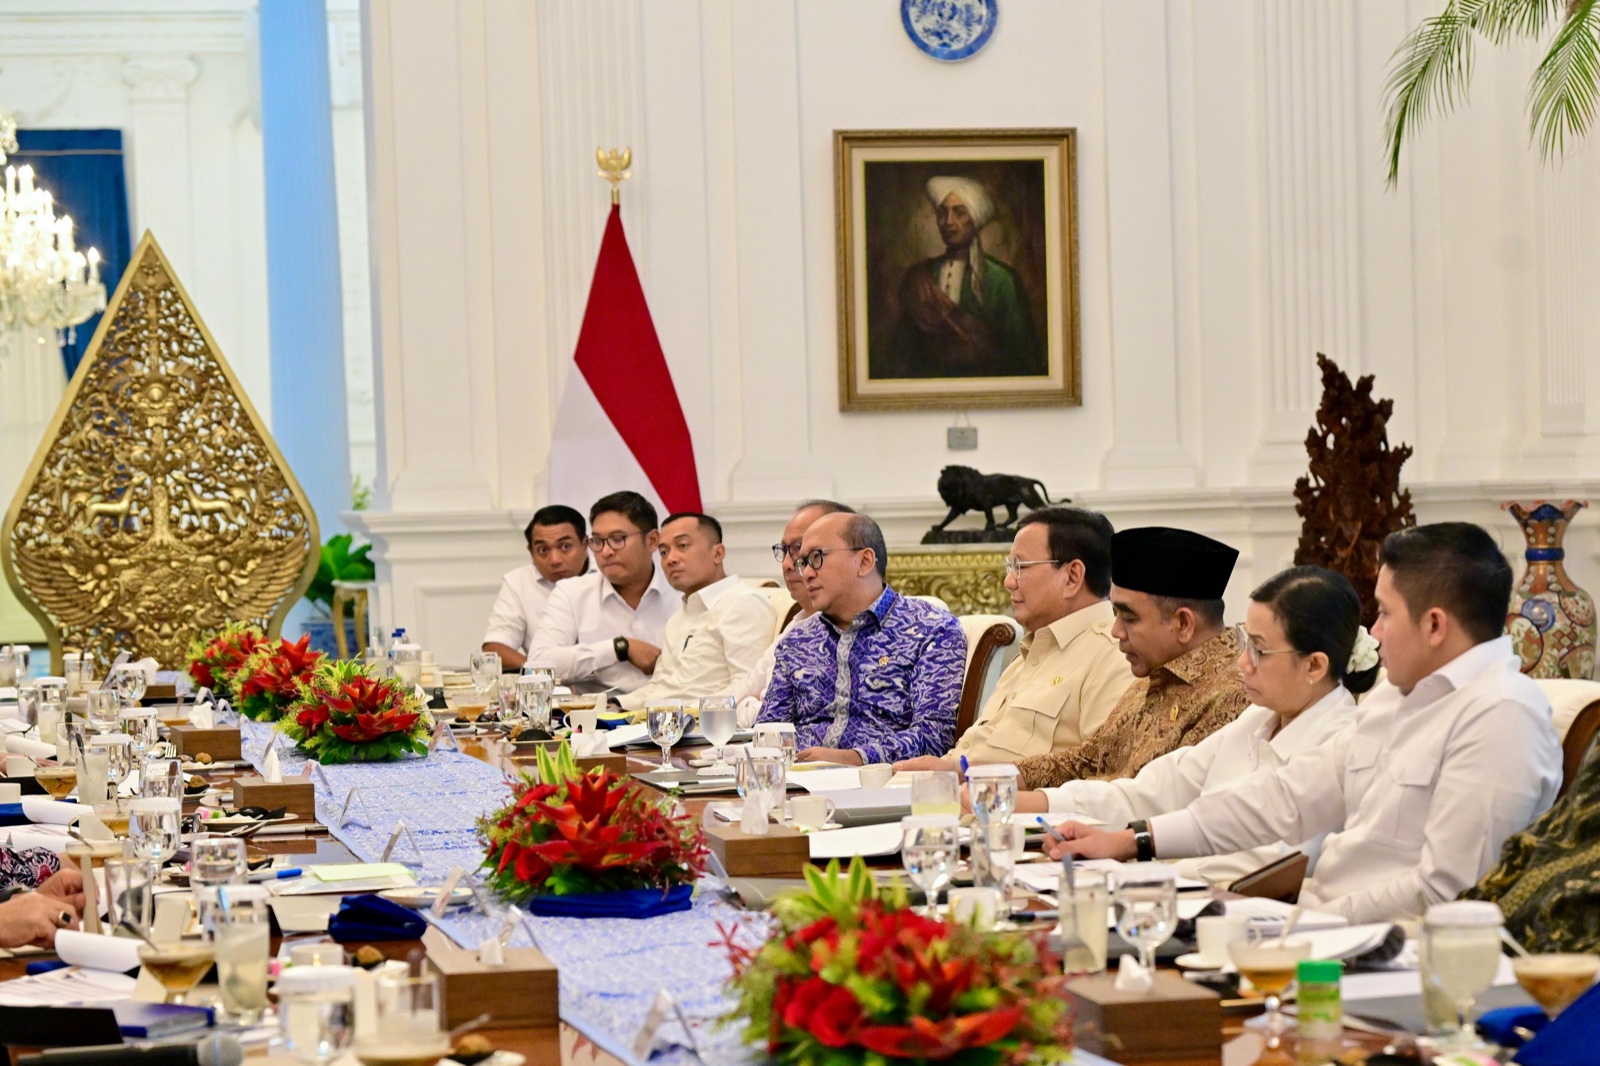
x=1304, y=657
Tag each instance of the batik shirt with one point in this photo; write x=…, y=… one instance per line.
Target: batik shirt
x=26, y=867
x=886, y=686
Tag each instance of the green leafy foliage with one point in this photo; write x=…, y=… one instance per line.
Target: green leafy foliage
x=344, y=714
x=340, y=563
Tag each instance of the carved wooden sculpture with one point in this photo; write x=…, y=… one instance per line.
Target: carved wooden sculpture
x=1352, y=498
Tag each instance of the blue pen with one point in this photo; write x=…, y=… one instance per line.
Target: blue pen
x=275, y=875
x=1048, y=828
x=963, y=766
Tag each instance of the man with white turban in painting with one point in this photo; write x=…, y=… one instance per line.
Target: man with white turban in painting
x=963, y=313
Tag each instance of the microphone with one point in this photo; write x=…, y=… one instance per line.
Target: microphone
x=218, y=1049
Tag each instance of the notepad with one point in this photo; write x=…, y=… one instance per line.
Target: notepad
x=358, y=871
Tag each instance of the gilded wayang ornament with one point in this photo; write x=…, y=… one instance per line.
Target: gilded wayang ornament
x=157, y=508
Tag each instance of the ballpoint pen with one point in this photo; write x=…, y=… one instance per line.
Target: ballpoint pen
x=275, y=875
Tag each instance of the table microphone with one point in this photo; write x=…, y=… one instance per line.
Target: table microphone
x=219, y=1049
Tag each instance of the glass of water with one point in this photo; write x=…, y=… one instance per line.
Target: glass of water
x=153, y=827
x=129, y=899
x=104, y=710
x=316, y=1011
x=78, y=669
x=718, y=721
x=243, y=934
x=763, y=778
x=214, y=861
x=143, y=728
x=780, y=735
x=129, y=683
x=929, y=849
x=161, y=777
x=994, y=788
x=485, y=667
x=537, y=683
x=1145, y=901
x=1460, y=957
x=666, y=723
x=935, y=792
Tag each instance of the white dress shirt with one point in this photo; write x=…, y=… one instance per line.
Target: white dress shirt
x=1417, y=795
x=753, y=686
x=582, y=617
x=523, y=593
x=710, y=644
x=1244, y=746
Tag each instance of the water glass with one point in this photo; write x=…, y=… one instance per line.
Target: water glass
x=485, y=667
x=160, y=777
x=28, y=703
x=994, y=788
x=935, y=792
x=929, y=850
x=214, y=861
x=129, y=683
x=780, y=735
x=69, y=750
x=406, y=660
x=23, y=653
x=118, y=751
x=77, y=668
x=763, y=780
x=533, y=700
x=718, y=722
x=1146, y=904
x=318, y=953
x=407, y=1009
x=153, y=827
x=243, y=932
x=105, y=709
x=1460, y=955
x=142, y=726
x=1084, y=910
x=1000, y=848
x=9, y=667
x=316, y=1011
x=130, y=900
x=666, y=723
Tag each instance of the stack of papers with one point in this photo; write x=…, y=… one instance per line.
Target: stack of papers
x=1268, y=913
x=68, y=987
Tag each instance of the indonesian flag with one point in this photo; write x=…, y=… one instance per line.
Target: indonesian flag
x=619, y=425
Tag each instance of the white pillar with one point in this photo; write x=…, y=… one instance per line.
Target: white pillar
x=158, y=144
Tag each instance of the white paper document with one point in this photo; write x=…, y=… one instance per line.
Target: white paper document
x=869, y=841
x=1267, y=911
x=69, y=987
x=96, y=952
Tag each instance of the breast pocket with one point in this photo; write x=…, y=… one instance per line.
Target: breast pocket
x=1360, y=772
x=1412, y=776
x=1025, y=727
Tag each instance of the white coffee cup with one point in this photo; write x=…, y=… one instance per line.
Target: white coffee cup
x=587, y=719
x=811, y=812
x=1214, y=933
x=982, y=904
x=876, y=774
x=10, y=792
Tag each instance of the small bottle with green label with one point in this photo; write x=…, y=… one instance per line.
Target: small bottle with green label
x=1321, y=1010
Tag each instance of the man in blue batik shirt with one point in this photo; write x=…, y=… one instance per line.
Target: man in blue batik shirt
x=873, y=676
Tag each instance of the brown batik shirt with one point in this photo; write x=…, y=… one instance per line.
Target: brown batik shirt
x=1180, y=703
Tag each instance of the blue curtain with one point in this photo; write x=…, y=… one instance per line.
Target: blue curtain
x=83, y=171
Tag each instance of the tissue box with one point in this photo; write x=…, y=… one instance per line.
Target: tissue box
x=783, y=852
x=221, y=744
x=523, y=992
x=297, y=794
x=1177, y=1019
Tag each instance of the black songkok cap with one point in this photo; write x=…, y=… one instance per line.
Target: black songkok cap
x=1159, y=561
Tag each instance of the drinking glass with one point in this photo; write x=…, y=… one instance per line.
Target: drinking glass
x=52, y=690
x=407, y=662
x=177, y=964
x=214, y=861
x=763, y=781
x=316, y=1011
x=994, y=786
x=929, y=849
x=1084, y=909
x=142, y=727
x=113, y=814
x=118, y=752
x=50, y=708
x=407, y=1016
x=129, y=898
x=105, y=708
x=485, y=667
x=9, y=667
x=718, y=721
x=780, y=735
x=1555, y=980
x=153, y=827
x=1004, y=845
x=536, y=684
x=1460, y=956
x=129, y=683
x=935, y=792
x=1269, y=961
x=320, y=953
x=78, y=670
x=28, y=703
x=57, y=780
x=1146, y=903
x=23, y=653
x=243, y=932
x=161, y=777
x=70, y=750
x=666, y=723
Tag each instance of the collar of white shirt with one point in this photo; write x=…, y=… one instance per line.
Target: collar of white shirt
x=709, y=595
x=1460, y=671
x=1066, y=629
x=1293, y=738
x=658, y=585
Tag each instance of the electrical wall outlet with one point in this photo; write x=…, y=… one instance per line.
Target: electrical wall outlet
x=961, y=438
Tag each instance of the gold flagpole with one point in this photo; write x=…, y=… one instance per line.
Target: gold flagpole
x=614, y=168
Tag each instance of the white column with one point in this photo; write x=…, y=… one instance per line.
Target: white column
x=158, y=146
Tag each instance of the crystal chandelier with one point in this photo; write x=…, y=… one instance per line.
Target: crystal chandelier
x=45, y=282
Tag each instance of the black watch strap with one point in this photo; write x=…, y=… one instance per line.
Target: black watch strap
x=620, y=646
x=1144, y=843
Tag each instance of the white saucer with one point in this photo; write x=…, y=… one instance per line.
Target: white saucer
x=1193, y=961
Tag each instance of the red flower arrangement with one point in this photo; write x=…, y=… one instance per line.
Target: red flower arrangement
x=852, y=977
x=571, y=833
x=343, y=714
x=216, y=661
x=271, y=678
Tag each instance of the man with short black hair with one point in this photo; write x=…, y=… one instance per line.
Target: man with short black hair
x=556, y=550
x=1447, y=758
x=604, y=629
x=723, y=627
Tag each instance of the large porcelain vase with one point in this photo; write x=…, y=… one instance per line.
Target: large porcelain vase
x=1551, y=623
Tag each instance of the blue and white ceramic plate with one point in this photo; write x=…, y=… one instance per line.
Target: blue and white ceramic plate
x=949, y=30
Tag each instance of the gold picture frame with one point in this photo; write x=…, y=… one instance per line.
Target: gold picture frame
x=957, y=264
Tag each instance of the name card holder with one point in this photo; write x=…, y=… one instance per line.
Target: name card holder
x=648, y=1038
x=781, y=852
x=349, y=817
x=443, y=739
x=220, y=742
x=402, y=829
x=297, y=794
x=522, y=992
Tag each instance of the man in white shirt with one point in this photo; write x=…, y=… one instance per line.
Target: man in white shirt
x=555, y=544
x=1446, y=759
x=723, y=626
x=604, y=629
x=754, y=684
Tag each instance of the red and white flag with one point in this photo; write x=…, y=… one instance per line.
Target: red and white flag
x=620, y=425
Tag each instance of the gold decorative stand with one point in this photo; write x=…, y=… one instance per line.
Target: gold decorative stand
x=971, y=579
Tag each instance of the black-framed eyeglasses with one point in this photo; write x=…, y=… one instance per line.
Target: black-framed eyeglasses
x=617, y=541
x=1254, y=653
x=813, y=559
x=790, y=550
x=1015, y=566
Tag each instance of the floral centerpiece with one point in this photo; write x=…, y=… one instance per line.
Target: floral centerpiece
x=851, y=976
x=344, y=714
x=591, y=844
x=215, y=661
x=271, y=678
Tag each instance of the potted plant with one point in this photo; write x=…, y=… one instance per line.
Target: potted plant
x=340, y=562
x=344, y=714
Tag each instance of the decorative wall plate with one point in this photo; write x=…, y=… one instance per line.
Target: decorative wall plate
x=949, y=30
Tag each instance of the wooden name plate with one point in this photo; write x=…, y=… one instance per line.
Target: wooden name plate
x=297, y=794
x=782, y=852
x=221, y=744
x=1176, y=1019
x=523, y=992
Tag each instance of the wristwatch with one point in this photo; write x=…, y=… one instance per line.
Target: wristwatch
x=1144, y=843
x=620, y=646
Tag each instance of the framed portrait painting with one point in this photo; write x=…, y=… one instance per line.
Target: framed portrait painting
x=958, y=268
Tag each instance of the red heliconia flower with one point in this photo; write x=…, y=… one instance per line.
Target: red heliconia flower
x=311, y=718
x=924, y=1038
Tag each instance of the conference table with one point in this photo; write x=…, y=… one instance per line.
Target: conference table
x=599, y=998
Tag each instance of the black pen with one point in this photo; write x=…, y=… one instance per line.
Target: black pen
x=1034, y=916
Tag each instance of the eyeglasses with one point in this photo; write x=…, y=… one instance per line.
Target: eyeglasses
x=1015, y=566
x=617, y=541
x=813, y=559
x=1257, y=654
x=791, y=550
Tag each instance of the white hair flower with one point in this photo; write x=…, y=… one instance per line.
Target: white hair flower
x=1364, y=656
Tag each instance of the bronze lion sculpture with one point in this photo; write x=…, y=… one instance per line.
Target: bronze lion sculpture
x=963, y=489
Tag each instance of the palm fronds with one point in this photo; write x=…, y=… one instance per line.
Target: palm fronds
x=1566, y=87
